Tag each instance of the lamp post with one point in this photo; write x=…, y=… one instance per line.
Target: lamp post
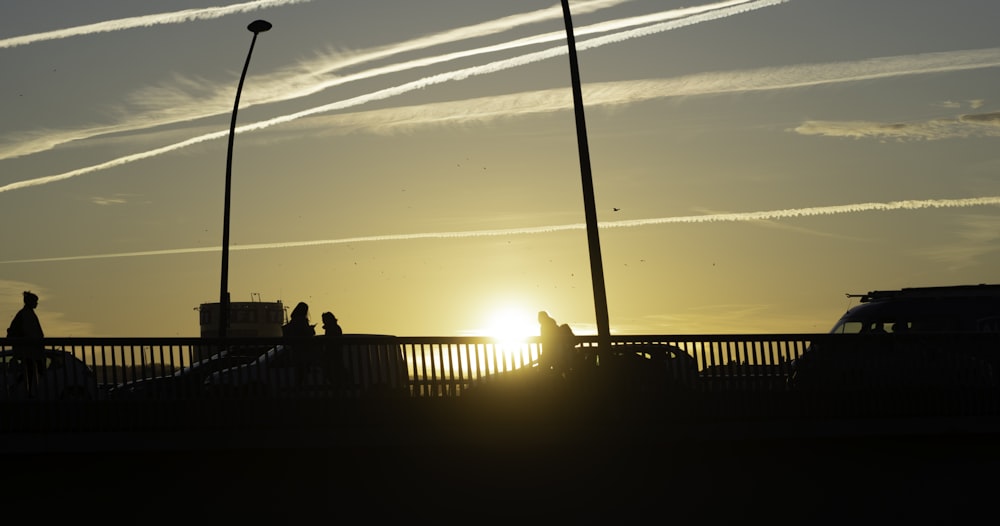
x=255, y=27
x=590, y=208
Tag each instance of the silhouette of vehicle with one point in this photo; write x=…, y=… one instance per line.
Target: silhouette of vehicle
x=186, y=382
x=632, y=369
x=651, y=368
x=64, y=377
x=911, y=338
x=351, y=365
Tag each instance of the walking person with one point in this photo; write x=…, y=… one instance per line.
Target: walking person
x=31, y=354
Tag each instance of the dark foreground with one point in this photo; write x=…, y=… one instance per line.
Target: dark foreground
x=527, y=466
x=920, y=480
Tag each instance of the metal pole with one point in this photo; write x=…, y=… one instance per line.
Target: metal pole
x=590, y=208
x=257, y=26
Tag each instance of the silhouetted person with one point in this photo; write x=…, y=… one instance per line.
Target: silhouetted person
x=31, y=355
x=333, y=360
x=557, y=342
x=330, y=325
x=298, y=327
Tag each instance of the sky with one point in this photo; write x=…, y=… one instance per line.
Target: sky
x=413, y=165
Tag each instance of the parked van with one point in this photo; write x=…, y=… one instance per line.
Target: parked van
x=921, y=337
x=959, y=308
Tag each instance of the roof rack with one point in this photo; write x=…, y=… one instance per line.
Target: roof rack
x=952, y=291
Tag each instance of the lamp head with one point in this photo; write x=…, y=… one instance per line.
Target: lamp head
x=259, y=26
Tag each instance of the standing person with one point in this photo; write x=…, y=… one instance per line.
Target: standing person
x=330, y=325
x=25, y=325
x=334, y=366
x=554, y=346
x=298, y=325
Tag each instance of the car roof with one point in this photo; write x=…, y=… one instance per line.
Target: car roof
x=962, y=306
x=957, y=292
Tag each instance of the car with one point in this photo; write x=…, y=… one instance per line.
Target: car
x=350, y=365
x=64, y=377
x=651, y=368
x=911, y=338
x=186, y=382
x=639, y=369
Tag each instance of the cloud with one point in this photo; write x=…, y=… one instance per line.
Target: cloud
x=783, y=214
x=788, y=77
x=962, y=127
x=188, y=99
x=104, y=201
x=176, y=17
x=634, y=91
x=992, y=119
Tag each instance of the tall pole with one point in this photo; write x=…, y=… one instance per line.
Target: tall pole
x=590, y=208
x=255, y=27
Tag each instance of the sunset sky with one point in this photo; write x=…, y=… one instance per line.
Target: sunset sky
x=413, y=166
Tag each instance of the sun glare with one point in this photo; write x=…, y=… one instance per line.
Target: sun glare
x=512, y=325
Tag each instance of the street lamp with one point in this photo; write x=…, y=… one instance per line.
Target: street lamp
x=590, y=208
x=255, y=27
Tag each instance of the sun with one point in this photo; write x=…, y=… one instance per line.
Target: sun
x=512, y=325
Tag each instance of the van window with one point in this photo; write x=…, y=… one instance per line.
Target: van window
x=848, y=327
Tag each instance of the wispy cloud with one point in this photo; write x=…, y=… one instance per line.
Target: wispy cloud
x=176, y=17
x=963, y=126
x=784, y=214
x=710, y=83
x=189, y=99
x=788, y=77
x=485, y=109
x=104, y=201
x=763, y=79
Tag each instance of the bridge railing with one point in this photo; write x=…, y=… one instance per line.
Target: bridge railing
x=426, y=366
x=88, y=383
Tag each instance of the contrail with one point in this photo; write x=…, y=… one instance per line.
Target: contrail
x=788, y=213
x=270, y=90
x=176, y=17
x=485, y=29
x=701, y=84
x=461, y=74
x=482, y=29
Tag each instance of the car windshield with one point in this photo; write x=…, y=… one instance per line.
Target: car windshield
x=871, y=326
x=210, y=362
